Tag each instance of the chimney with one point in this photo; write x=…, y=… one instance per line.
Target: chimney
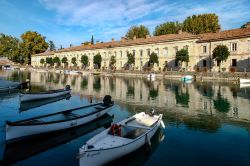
x=134, y=37
x=218, y=30
x=180, y=31
x=248, y=25
x=112, y=39
x=147, y=36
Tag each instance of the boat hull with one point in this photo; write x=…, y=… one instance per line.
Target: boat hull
x=101, y=157
x=244, y=81
x=31, y=97
x=18, y=132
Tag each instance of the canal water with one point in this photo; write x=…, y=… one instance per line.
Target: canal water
x=207, y=123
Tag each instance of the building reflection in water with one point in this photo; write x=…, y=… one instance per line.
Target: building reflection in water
x=208, y=98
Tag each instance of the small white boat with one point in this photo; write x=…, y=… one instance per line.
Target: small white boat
x=187, y=78
x=120, y=139
x=24, y=97
x=56, y=121
x=151, y=76
x=7, y=67
x=244, y=81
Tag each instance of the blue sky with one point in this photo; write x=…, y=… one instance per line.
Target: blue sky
x=74, y=21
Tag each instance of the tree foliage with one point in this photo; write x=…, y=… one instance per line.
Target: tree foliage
x=84, y=60
x=52, y=46
x=32, y=43
x=131, y=59
x=98, y=60
x=56, y=60
x=49, y=60
x=153, y=58
x=203, y=23
x=42, y=61
x=221, y=53
x=73, y=61
x=138, y=31
x=112, y=60
x=167, y=28
x=9, y=47
x=182, y=56
x=64, y=60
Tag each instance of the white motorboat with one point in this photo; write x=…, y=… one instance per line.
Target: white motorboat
x=151, y=76
x=56, y=121
x=120, y=139
x=187, y=78
x=244, y=81
x=24, y=97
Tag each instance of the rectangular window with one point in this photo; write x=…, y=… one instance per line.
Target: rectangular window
x=165, y=51
x=233, y=46
x=204, y=63
x=148, y=52
x=234, y=62
x=134, y=53
x=141, y=53
x=176, y=63
x=121, y=54
x=218, y=62
x=204, y=49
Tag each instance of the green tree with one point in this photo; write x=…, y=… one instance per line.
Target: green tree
x=203, y=23
x=153, y=58
x=32, y=43
x=112, y=61
x=220, y=53
x=56, y=60
x=9, y=47
x=167, y=28
x=138, y=31
x=131, y=59
x=65, y=61
x=92, y=39
x=98, y=60
x=85, y=60
x=42, y=61
x=52, y=46
x=182, y=56
x=49, y=61
x=73, y=61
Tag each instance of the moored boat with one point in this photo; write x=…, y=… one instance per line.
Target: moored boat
x=187, y=78
x=57, y=121
x=244, y=81
x=9, y=85
x=120, y=139
x=24, y=97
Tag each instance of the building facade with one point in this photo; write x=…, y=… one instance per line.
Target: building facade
x=200, y=48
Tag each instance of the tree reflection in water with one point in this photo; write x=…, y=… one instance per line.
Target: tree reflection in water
x=84, y=83
x=221, y=104
x=181, y=97
x=97, y=84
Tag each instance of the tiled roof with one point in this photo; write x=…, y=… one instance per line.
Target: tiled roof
x=141, y=41
x=225, y=35
x=207, y=37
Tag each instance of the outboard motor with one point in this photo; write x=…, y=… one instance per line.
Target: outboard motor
x=107, y=100
x=67, y=87
x=152, y=112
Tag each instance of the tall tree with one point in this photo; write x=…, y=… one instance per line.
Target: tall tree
x=131, y=59
x=52, y=46
x=167, y=28
x=9, y=47
x=137, y=31
x=84, y=60
x=42, y=61
x=98, y=60
x=203, y=23
x=49, y=61
x=56, y=60
x=92, y=39
x=220, y=53
x=33, y=43
x=65, y=61
x=182, y=56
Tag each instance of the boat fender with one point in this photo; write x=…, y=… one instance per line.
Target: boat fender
x=107, y=100
x=116, y=130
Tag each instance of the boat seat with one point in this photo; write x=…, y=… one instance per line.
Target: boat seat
x=32, y=121
x=70, y=114
x=135, y=133
x=100, y=107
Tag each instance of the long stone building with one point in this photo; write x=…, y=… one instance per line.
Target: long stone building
x=200, y=48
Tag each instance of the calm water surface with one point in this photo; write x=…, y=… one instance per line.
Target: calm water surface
x=206, y=123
